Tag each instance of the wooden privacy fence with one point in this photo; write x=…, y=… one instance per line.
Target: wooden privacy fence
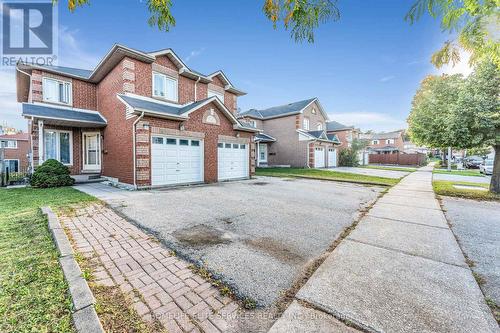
x=398, y=158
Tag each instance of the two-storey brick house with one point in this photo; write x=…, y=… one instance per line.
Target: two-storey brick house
x=16, y=148
x=385, y=142
x=293, y=134
x=138, y=118
x=345, y=134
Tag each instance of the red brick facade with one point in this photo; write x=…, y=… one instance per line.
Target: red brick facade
x=135, y=76
x=19, y=153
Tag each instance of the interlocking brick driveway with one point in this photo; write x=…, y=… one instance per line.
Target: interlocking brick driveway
x=181, y=300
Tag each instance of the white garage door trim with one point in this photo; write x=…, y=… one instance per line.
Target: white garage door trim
x=319, y=157
x=179, y=163
x=332, y=157
x=233, y=160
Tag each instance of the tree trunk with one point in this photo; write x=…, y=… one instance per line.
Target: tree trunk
x=495, y=177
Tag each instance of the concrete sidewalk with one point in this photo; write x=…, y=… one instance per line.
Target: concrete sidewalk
x=400, y=270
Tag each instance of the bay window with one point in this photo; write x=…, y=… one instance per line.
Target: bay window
x=164, y=87
x=216, y=93
x=56, y=91
x=58, y=146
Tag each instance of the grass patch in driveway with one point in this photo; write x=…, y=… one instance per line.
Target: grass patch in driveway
x=446, y=188
x=326, y=175
x=381, y=167
x=474, y=172
x=33, y=293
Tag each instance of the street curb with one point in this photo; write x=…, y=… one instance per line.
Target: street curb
x=84, y=316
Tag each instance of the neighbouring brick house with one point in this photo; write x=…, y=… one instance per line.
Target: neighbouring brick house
x=16, y=151
x=293, y=134
x=384, y=143
x=345, y=134
x=139, y=118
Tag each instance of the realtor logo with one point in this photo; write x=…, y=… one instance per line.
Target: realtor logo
x=28, y=32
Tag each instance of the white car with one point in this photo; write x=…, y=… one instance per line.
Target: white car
x=486, y=167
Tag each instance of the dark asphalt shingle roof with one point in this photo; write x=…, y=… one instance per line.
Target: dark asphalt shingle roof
x=333, y=137
x=277, y=111
x=264, y=137
x=139, y=103
x=317, y=134
x=84, y=73
x=51, y=112
x=336, y=126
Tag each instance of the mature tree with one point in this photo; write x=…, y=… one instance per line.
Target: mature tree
x=475, y=120
x=479, y=151
x=475, y=23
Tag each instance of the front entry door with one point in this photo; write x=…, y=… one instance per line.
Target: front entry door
x=262, y=153
x=91, y=152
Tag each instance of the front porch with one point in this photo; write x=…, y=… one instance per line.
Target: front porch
x=71, y=137
x=262, y=143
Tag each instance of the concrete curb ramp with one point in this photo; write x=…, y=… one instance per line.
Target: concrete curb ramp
x=400, y=270
x=84, y=316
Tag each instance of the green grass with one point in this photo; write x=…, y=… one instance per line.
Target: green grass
x=381, y=167
x=473, y=172
x=444, y=187
x=33, y=293
x=326, y=175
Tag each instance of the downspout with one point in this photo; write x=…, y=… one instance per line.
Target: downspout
x=133, y=146
x=196, y=89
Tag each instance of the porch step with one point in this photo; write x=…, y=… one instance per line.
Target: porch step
x=88, y=178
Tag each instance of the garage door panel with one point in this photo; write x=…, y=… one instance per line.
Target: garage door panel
x=232, y=161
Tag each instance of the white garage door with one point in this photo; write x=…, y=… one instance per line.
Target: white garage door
x=319, y=157
x=232, y=160
x=332, y=157
x=176, y=160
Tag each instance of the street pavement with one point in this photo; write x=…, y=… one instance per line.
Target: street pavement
x=400, y=270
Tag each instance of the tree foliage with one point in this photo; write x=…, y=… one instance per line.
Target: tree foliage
x=475, y=22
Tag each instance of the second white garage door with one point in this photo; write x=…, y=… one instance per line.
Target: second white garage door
x=176, y=160
x=319, y=157
x=332, y=157
x=233, y=160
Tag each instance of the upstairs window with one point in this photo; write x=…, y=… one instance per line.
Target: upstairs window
x=375, y=142
x=319, y=126
x=253, y=123
x=56, y=91
x=216, y=93
x=389, y=141
x=305, y=124
x=9, y=144
x=164, y=87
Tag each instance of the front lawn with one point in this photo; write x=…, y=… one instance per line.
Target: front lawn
x=446, y=188
x=325, y=175
x=381, y=167
x=33, y=293
x=471, y=172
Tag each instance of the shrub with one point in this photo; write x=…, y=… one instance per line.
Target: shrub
x=51, y=173
x=348, y=157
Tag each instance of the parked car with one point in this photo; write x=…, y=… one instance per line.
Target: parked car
x=473, y=162
x=486, y=167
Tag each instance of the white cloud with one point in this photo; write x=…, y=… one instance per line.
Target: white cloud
x=387, y=78
x=369, y=121
x=462, y=67
x=194, y=54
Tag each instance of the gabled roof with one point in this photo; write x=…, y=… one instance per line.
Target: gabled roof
x=262, y=137
x=139, y=104
x=282, y=110
x=228, y=85
x=17, y=136
x=336, y=126
x=63, y=114
x=116, y=54
x=319, y=136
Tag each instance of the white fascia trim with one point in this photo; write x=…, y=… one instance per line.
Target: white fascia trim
x=154, y=100
x=115, y=48
x=68, y=109
x=246, y=129
x=220, y=72
x=172, y=53
x=162, y=114
x=64, y=119
x=271, y=137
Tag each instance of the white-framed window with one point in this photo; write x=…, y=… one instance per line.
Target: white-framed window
x=375, y=142
x=58, y=145
x=319, y=126
x=216, y=93
x=305, y=124
x=56, y=91
x=253, y=123
x=12, y=165
x=389, y=141
x=8, y=144
x=165, y=87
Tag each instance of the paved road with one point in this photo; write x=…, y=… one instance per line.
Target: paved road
x=257, y=235
x=372, y=172
x=400, y=270
x=477, y=227
x=470, y=179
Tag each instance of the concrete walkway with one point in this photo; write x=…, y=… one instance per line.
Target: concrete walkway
x=400, y=270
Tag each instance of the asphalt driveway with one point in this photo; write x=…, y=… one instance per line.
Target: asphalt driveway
x=257, y=235
x=476, y=224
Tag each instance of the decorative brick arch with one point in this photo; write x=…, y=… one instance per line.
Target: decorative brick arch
x=211, y=117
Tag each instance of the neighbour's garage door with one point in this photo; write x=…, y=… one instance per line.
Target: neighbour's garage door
x=176, y=160
x=319, y=157
x=233, y=160
x=332, y=157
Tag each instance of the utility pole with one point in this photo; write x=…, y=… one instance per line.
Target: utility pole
x=449, y=159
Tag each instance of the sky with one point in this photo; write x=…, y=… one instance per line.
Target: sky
x=364, y=68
